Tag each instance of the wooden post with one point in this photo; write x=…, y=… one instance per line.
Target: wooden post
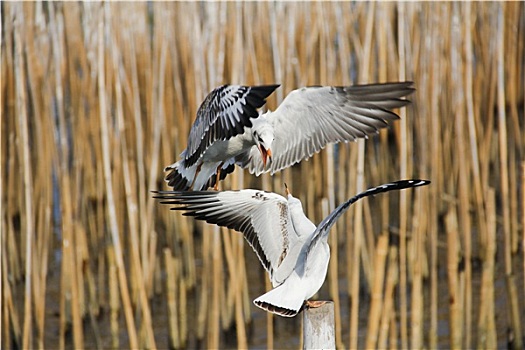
x=319, y=327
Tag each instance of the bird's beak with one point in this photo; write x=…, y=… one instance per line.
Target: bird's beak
x=265, y=154
x=286, y=189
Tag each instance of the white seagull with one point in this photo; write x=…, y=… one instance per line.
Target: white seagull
x=228, y=129
x=294, y=252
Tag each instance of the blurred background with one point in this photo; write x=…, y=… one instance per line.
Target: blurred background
x=96, y=98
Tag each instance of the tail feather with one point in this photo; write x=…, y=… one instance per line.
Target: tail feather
x=179, y=180
x=181, y=177
x=281, y=301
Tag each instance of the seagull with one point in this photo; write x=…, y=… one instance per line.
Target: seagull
x=229, y=130
x=294, y=252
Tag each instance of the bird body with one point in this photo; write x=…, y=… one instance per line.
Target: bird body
x=213, y=158
x=290, y=247
x=228, y=129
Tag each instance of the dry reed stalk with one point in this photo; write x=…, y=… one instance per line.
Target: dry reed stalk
x=172, y=277
x=131, y=200
x=435, y=171
x=183, y=316
x=142, y=267
x=358, y=208
x=81, y=261
x=152, y=263
x=516, y=138
x=41, y=186
x=368, y=251
x=382, y=45
x=216, y=269
x=94, y=306
x=487, y=337
x=44, y=164
x=333, y=239
x=394, y=333
x=157, y=125
x=242, y=342
x=27, y=180
x=420, y=271
x=523, y=216
x=205, y=284
x=376, y=303
x=130, y=39
x=72, y=82
x=403, y=173
x=102, y=300
x=14, y=257
x=502, y=135
x=114, y=301
x=357, y=229
x=114, y=230
x=246, y=300
x=40, y=292
x=388, y=309
x=342, y=185
x=504, y=178
x=463, y=165
x=69, y=288
x=469, y=101
x=230, y=294
x=350, y=234
x=515, y=336
x=11, y=325
x=456, y=324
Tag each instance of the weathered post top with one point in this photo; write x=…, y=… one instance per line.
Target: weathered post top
x=319, y=327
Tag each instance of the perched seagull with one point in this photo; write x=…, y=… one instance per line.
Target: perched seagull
x=290, y=247
x=228, y=129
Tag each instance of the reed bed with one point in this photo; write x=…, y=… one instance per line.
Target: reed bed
x=98, y=97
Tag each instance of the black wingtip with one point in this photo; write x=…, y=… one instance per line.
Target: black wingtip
x=281, y=311
x=175, y=180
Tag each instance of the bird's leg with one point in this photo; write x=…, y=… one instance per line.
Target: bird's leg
x=315, y=303
x=287, y=190
x=219, y=168
x=195, y=177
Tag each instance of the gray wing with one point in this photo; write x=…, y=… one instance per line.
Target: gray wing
x=310, y=118
x=223, y=114
x=324, y=227
x=262, y=217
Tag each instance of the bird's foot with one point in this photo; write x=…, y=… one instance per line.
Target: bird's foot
x=312, y=304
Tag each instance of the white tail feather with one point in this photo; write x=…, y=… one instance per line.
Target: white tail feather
x=281, y=300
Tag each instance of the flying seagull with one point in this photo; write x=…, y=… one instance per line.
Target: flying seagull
x=229, y=130
x=294, y=252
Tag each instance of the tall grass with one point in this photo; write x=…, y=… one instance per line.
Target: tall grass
x=98, y=97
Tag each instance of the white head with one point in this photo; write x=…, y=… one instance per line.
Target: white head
x=263, y=135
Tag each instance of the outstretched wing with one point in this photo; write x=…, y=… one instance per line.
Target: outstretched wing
x=310, y=118
x=324, y=227
x=262, y=217
x=223, y=114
